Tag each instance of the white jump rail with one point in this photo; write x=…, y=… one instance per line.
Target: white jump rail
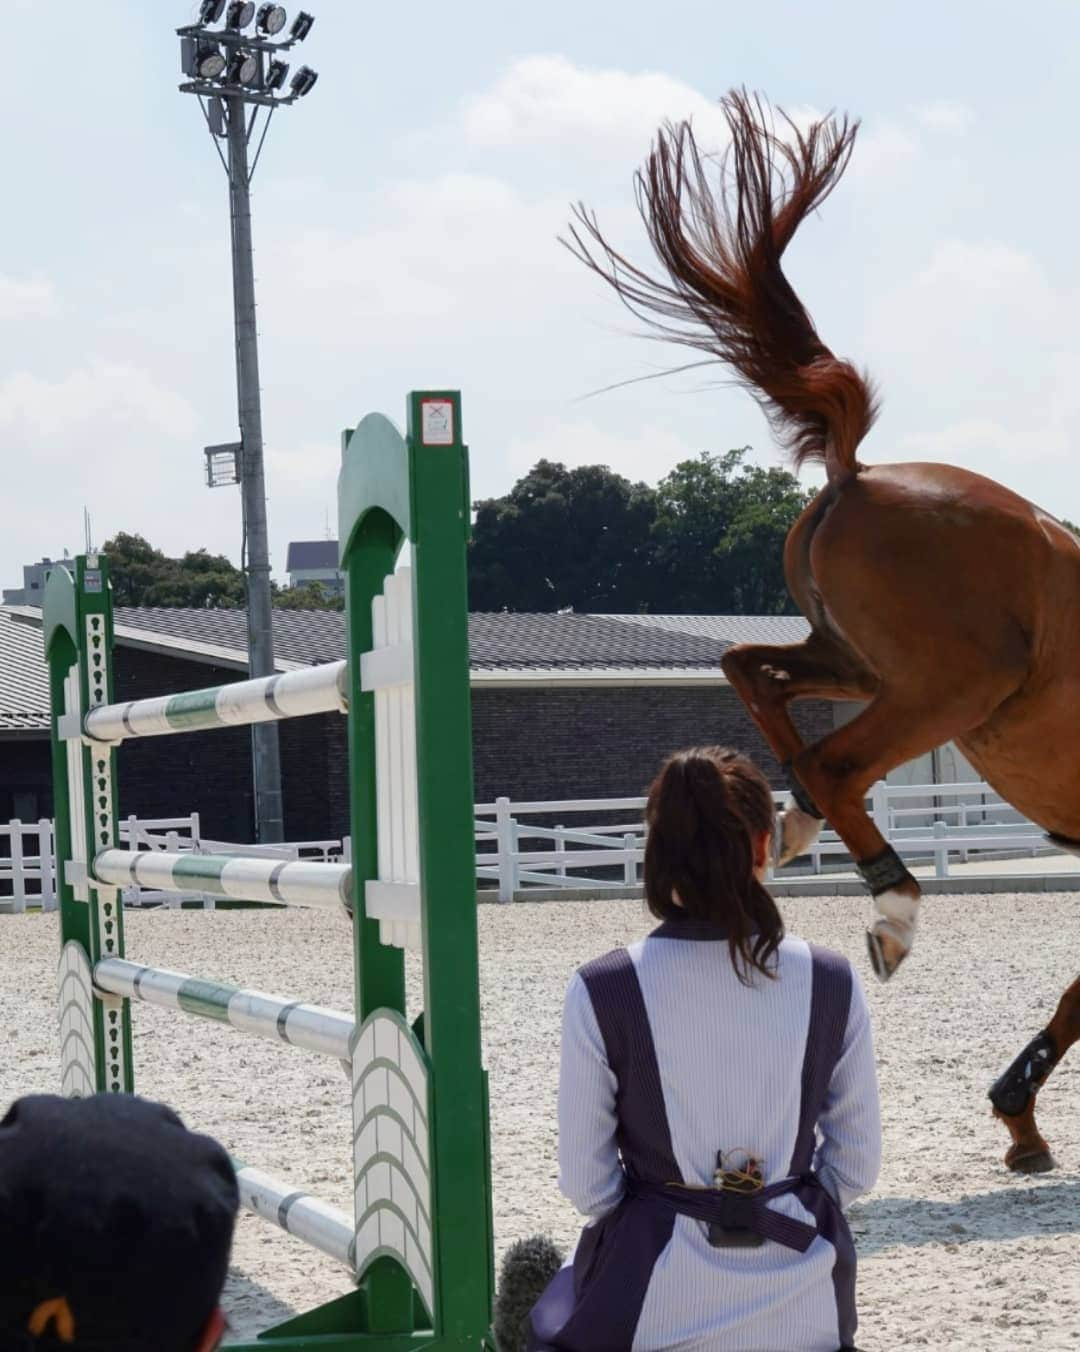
x=290, y=694
x=288, y=882
x=317, y=1223
x=311, y=1027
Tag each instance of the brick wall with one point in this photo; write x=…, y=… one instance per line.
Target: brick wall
x=25, y=778
x=527, y=744
x=204, y=772
x=608, y=742
x=210, y=772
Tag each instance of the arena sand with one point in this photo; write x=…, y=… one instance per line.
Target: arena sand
x=955, y=1252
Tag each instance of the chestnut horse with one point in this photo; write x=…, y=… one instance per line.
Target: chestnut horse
x=945, y=601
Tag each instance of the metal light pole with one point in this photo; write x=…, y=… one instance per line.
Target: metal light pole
x=231, y=71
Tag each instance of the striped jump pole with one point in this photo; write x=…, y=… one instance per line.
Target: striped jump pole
x=317, y=1223
x=311, y=1027
x=290, y=694
x=288, y=882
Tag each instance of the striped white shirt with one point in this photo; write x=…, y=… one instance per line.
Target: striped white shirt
x=730, y=1060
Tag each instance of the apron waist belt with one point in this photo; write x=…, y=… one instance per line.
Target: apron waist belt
x=733, y=1210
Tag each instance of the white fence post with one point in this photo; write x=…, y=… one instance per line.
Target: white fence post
x=506, y=843
x=629, y=863
x=560, y=849
x=879, y=808
x=46, y=853
x=941, y=852
x=18, y=877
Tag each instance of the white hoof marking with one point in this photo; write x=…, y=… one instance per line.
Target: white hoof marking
x=896, y=914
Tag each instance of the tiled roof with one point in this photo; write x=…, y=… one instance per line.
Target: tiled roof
x=24, y=683
x=552, y=646
x=595, y=642
x=496, y=641
x=304, y=636
x=311, y=554
x=729, y=628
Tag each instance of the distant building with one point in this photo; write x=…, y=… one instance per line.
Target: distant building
x=563, y=707
x=33, y=587
x=314, y=561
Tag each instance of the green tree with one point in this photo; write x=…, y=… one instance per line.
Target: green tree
x=144, y=576
x=578, y=538
x=719, y=536
x=308, y=596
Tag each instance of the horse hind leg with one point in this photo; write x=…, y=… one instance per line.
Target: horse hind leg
x=838, y=771
x=1013, y=1094
x=768, y=678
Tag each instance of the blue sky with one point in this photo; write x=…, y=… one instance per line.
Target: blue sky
x=405, y=219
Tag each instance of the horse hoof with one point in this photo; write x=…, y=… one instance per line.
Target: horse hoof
x=1028, y=1160
x=798, y=832
x=886, y=953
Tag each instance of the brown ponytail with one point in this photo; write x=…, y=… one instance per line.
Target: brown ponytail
x=706, y=809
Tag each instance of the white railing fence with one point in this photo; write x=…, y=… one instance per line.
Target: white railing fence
x=27, y=866
x=942, y=824
x=938, y=823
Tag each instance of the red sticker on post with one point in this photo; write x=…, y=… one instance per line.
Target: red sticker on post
x=436, y=422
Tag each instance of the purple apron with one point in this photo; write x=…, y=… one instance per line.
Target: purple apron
x=594, y=1305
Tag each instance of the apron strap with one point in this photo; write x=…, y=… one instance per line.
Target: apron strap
x=830, y=1000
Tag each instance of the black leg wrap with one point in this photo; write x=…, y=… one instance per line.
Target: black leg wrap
x=884, y=871
x=803, y=801
x=1013, y=1091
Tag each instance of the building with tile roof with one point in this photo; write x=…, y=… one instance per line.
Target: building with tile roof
x=564, y=706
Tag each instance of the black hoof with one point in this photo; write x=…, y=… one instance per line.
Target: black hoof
x=1039, y=1162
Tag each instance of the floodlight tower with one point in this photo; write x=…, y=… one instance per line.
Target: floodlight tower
x=230, y=70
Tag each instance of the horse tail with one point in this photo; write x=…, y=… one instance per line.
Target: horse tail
x=726, y=293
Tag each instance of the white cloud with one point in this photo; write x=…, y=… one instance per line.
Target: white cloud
x=550, y=100
x=946, y=115
x=977, y=355
x=109, y=437
x=107, y=397
x=462, y=252
x=881, y=149
x=26, y=299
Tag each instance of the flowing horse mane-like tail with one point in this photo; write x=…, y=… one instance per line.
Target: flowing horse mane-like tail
x=726, y=293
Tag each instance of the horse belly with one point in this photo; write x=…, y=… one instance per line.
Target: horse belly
x=1029, y=752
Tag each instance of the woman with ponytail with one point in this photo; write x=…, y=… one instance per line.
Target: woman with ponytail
x=718, y=1103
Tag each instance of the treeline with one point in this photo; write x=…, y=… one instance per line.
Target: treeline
x=707, y=539
x=143, y=576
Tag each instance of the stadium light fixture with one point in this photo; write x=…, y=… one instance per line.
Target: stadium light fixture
x=209, y=62
x=243, y=68
x=239, y=14
x=238, y=77
x=270, y=20
x=303, y=82
x=275, y=75
x=301, y=26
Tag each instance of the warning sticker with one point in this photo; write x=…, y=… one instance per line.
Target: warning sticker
x=437, y=422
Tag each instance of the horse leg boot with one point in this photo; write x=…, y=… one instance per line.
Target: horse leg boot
x=1013, y=1094
x=767, y=678
x=837, y=772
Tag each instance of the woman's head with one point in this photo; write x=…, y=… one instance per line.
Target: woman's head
x=710, y=819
